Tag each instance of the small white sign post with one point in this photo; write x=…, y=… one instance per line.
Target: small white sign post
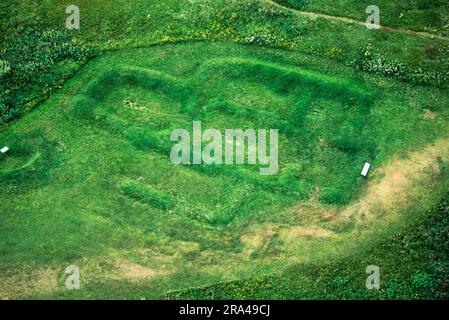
x=365, y=169
x=4, y=149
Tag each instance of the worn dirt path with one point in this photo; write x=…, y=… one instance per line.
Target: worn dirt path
x=353, y=21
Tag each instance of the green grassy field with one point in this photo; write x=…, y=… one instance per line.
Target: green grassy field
x=88, y=179
x=419, y=15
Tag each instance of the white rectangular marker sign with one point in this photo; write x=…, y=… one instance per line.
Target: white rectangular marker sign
x=366, y=169
x=4, y=149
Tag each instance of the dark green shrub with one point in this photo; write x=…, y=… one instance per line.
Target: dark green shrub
x=36, y=64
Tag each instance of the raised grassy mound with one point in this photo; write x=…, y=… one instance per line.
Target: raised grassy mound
x=96, y=188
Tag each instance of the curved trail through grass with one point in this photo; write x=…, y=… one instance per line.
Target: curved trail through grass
x=354, y=21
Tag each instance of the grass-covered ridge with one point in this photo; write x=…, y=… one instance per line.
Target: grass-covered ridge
x=88, y=180
x=120, y=209
x=297, y=102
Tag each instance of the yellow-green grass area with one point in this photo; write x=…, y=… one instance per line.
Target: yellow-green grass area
x=420, y=15
x=89, y=181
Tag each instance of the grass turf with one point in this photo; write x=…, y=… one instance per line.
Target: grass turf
x=419, y=15
x=97, y=189
x=135, y=225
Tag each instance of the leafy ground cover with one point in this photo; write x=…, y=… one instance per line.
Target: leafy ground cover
x=417, y=15
x=89, y=182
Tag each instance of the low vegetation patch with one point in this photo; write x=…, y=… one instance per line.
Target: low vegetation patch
x=89, y=179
